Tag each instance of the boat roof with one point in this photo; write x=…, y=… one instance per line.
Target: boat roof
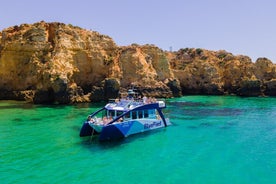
x=123, y=105
x=127, y=105
x=132, y=100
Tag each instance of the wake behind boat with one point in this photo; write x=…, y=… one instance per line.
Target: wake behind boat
x=124, y=117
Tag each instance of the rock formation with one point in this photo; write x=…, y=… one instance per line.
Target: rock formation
x=219, y=72
x=55, y=62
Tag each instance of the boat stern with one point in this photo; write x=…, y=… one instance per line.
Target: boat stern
x=86, y=130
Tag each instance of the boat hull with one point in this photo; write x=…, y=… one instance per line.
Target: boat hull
x=125, y=129
x=87, y=130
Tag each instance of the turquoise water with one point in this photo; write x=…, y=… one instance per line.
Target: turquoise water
x=214, y=139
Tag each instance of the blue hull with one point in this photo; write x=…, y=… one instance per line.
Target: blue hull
x=110, y=133
x=87, y=130
x=125, y=129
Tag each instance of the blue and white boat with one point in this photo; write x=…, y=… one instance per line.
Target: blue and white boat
x=124, y=117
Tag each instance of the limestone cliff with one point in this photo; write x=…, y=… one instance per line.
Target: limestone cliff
x=55, y=62
x=219, y=72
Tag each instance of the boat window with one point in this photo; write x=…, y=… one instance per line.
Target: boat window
x=140, y=114
x=127, y=115
x=152, y=113
x=134, y=114
x=146, y=114
x=111, y=114
x=119, y=113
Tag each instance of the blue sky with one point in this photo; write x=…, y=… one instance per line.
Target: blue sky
x=246, y=27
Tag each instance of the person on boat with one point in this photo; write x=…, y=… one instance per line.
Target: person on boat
x=145, y=99
x=90, y=119
x=105, y=120
x=110, y=119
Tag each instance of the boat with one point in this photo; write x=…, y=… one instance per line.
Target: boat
x=123, y=117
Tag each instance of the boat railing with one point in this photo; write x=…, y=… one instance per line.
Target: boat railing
x=127, y=102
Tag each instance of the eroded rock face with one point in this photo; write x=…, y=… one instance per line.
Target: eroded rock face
x=147, y=68
x=208, y=72
x=55, y=62
x=270, y=87
x=62, y=63
x=250, y=88
x=265, y=70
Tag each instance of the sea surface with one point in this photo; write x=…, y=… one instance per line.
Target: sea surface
x=213, y=139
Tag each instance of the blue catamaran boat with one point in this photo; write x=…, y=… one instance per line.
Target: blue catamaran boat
x=124, y=117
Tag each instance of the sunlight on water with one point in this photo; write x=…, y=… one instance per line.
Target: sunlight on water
x=214, y=139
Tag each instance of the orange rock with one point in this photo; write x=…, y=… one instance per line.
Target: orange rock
x=54, y=62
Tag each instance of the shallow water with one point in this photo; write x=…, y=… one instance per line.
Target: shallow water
x=214, y=139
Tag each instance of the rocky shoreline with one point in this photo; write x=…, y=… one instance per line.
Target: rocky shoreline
x=59, y=63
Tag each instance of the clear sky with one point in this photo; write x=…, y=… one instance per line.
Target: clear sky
x=246, y=27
